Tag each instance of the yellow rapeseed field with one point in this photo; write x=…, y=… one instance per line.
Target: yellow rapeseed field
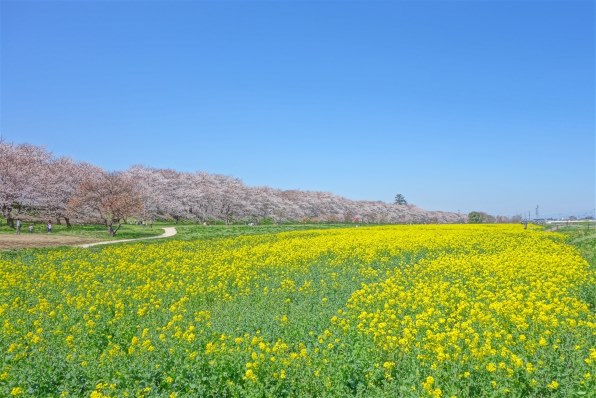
x=412, y=311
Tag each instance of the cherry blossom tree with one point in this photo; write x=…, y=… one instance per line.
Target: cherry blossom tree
x=108, y=197
x=21, y=174
x=35, y=184
x=60, y=183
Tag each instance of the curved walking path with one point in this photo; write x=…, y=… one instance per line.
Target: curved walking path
x=169, y=231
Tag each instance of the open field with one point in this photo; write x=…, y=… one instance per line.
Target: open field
x=25, y=240
x=63, y=236
x=82, y=234
x=450, y=310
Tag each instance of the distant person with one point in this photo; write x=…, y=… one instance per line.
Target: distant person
x=151, y=223
x=30, y=228
x=18, y=226
x=49, y=227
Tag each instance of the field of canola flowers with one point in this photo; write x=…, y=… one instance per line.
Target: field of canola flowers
x=412, y=311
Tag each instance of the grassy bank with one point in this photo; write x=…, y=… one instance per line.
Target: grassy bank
x=583, y=237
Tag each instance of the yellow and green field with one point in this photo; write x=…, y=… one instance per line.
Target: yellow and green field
x=412, y=311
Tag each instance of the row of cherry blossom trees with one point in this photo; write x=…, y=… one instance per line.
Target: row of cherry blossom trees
x=34, y=184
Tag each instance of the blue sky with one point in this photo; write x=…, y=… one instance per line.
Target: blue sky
x=458, y=105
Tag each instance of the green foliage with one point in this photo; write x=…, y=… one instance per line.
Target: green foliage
x=127, y=231
x=194, y=231
x=583, y=237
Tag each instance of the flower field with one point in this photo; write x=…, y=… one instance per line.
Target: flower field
x=412, y=311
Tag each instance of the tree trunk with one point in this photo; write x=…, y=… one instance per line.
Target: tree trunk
x=68, y=225
x=116, y=230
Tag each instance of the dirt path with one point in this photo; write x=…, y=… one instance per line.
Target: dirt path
x=168, y=231
x=27, y=240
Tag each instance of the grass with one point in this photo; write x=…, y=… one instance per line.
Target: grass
x=127, y=231
x=583, y=237
x=199, y=232
x=185, y=231
x=78, y=234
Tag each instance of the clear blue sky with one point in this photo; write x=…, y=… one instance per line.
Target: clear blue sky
x=458, y=105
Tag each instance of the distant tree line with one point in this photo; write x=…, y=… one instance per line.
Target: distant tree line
x=34, y=184
x=480, y=217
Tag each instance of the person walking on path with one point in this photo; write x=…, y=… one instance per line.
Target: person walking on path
x=49, y=226
x=18, y=226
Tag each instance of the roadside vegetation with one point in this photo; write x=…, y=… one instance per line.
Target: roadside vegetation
x=583, y=237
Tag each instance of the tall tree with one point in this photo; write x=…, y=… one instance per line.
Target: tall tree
x=400, y=199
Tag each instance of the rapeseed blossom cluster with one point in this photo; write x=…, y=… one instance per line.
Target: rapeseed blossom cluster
x=421, y=311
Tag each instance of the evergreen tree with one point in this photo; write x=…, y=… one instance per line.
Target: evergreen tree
x=400, y=199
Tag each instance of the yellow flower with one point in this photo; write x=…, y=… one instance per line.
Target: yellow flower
x=480, y=298
x=388, y=365
x=553, y=385
x=428, y=383
x=249, y=375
